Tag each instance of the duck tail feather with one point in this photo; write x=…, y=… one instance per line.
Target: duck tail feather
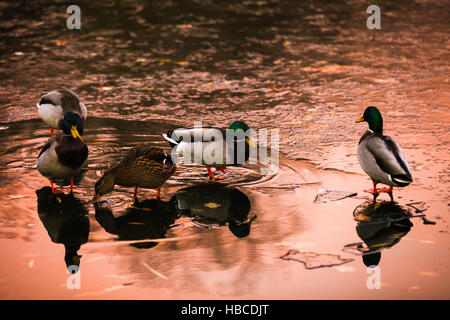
x=170, y=140
x=401, y=180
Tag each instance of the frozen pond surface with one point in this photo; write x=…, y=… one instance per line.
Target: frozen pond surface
x=307, y=69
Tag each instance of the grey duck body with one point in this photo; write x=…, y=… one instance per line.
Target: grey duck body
x=382, y=159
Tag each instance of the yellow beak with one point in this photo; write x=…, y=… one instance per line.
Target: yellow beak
x=75, y=133
x=250, y=142
x=360, y=119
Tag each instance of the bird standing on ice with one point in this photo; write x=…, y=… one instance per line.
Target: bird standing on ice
x=380, y=156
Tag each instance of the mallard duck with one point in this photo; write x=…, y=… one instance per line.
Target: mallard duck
x=148, y=219
x=381, y=226
x=56, y=104
x=381, y=157
x=142, y=167
x=197, y=145
x=66, y=220
x=65, y=154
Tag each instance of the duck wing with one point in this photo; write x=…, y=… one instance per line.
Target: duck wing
x=193, y=134
x=389, y=157
x=144, y=152
x=71, y=102
x=67, y=99
x=49, y=142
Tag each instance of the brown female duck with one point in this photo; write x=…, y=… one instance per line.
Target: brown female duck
x=142, y=167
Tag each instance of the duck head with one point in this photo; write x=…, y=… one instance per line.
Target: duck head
x=73, y=125
x=373, y=117
x=103, y=186
x=236, y=125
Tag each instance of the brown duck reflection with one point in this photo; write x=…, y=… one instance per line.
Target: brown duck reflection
x=215, y=204
x=148, y=219
x=65, y=219
x=380, y=225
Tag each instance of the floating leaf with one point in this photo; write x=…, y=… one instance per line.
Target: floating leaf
x=163, y=60
x=211, y=205
x=109, y=4
x=59, y=42
x=326, y=195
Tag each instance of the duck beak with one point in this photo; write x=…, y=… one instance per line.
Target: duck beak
x=360, y=120
x=75, y=133
x=96, y=198
x=250, y=142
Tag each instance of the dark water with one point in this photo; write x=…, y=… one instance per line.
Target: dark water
x=306, y=68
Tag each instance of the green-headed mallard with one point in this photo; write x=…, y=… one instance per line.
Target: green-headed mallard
x=211, y=146
x=56, y=104
x=381, y=226
x=65, y=154
x=381, y=157
x=142, y=167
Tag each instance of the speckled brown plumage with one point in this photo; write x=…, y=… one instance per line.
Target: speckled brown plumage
x=143, y=166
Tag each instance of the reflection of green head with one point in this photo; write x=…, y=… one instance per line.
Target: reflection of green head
x=372, y=259
x=240, y=230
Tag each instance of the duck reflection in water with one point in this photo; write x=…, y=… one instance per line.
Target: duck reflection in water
x=215, y=204
x=148, y=219
x=380, y=225
x=65, y=219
